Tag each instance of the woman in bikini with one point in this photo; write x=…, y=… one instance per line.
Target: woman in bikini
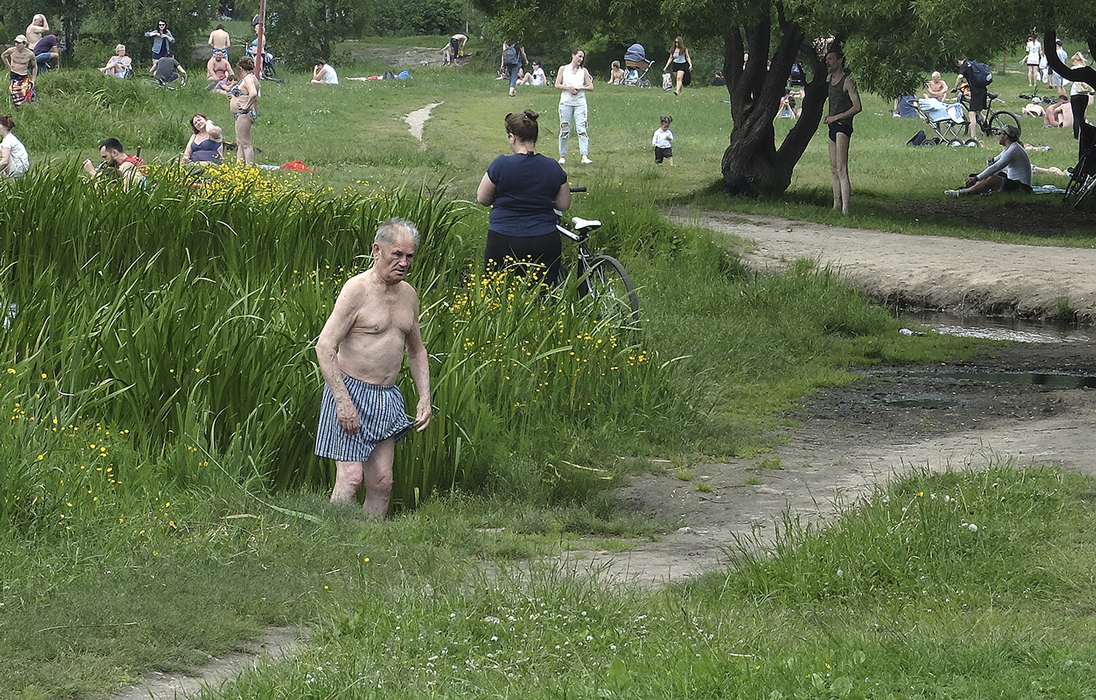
x=243, y=100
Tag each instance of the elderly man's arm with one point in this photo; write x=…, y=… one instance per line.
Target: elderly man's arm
x=327, y=346
x=418, y=361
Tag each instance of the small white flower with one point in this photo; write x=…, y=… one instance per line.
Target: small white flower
x=972, y=527
x=840, y=573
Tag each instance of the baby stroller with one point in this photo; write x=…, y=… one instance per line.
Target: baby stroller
x=268, y=72
x=636, y=67
x=947, y=119
x=1083, y=179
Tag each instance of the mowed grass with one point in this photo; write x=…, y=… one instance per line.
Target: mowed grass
x=165, y=549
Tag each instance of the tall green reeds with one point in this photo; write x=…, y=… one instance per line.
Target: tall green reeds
x=187, y=316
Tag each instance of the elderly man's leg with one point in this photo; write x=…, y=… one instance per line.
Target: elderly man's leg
x=378, y=478
x=348, y=478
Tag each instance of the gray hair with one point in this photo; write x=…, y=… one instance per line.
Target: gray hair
x=391, y=229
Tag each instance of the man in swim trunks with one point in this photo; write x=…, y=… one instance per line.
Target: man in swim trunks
x=360, y=353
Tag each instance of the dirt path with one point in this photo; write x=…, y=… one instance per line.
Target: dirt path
x=848, y=440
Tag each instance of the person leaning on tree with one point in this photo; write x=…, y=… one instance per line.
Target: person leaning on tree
x=360, y=352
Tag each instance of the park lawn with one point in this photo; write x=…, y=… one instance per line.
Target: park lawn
x=191, y=570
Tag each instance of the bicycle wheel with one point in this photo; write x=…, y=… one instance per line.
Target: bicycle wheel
x=609, y=285
x=644, y=83
x=1000, y=119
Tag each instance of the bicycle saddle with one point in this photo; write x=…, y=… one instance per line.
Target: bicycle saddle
x=581, y=223
x=991, y=95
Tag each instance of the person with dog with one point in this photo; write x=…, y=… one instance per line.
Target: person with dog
x=1013, y=162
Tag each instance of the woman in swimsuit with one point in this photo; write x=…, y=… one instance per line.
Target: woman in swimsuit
x=118, y=66
x=242, y=100
x=205, y=144
x=844, y=105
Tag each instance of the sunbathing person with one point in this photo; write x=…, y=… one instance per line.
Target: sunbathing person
x=119, y=65
x=937, y=87
x=206, y=144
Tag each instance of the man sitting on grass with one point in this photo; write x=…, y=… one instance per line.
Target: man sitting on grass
x=1013, y=160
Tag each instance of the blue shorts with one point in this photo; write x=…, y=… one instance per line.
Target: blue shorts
x=839, y=128
x=380, y=411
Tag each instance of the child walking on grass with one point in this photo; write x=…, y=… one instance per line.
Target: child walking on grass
x=663, y=141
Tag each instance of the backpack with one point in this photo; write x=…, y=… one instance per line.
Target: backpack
x=980, y=74
x=511, y=56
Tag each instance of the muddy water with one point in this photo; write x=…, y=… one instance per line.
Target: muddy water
x=1003, y=328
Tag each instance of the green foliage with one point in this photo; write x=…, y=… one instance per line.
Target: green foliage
x=307, y=30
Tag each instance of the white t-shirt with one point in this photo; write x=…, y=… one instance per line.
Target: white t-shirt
x=662, y=139
x=1033, y=49
x=572, y=78
x=329, y=76
x=20, y=159
x=538, y=77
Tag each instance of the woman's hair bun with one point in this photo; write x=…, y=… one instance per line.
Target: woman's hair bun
x=530, y=114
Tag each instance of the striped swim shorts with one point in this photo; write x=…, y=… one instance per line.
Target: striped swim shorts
x=380, y=411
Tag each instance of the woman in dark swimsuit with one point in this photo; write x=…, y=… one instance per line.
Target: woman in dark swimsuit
x=844, y=105
x=206, y=143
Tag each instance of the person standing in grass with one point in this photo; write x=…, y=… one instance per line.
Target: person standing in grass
x=663, y=141
x=524, y=190
x=513, y=58
x=23, y=70
x=682, y=65
x=574, y=81
x=243, y=100
x=360, y=352
x=219, y=40
x=14, y=159
x=844, y=105
x=162, y=39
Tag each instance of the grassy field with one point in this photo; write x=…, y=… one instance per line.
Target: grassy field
x=160, y=501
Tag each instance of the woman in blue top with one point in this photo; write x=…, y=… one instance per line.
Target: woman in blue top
x=205, y=146
x=524, y=190
x=162, y=39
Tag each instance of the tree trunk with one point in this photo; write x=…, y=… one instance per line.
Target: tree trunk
x=756, y=89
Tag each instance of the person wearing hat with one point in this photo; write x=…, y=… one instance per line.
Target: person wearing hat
x=1013, y=161
x=218, y=68
x=23, y=66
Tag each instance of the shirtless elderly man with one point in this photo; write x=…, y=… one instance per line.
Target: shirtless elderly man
x=360, y=353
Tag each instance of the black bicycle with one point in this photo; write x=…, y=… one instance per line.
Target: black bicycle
x=602, y=277
x=989, y=119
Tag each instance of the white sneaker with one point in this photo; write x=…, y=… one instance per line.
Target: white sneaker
x=951, y=193
x=563, y=161
x=586, y=160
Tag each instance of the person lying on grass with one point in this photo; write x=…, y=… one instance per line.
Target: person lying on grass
x=1013, y=161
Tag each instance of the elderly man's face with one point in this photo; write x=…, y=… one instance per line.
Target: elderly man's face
x=394, y=260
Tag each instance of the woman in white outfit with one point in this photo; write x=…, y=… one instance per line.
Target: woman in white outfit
x=14, y=160
x=574, y=81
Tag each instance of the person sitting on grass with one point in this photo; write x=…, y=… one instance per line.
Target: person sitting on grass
x=119, y=65
x=1013, y=161
x=616, y=74
x=936, y=87
x=324, y=74
x=116, y=165
x=218, y=68
x=1059, y=114
x=206, y=144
